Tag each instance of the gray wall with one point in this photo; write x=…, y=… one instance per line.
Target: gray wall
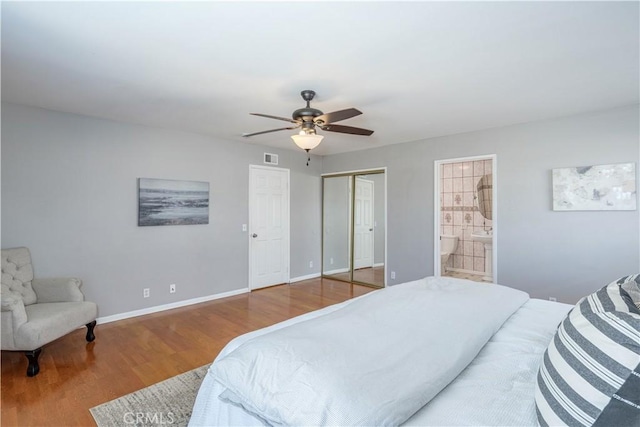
x=546, y=253
x=69, y=193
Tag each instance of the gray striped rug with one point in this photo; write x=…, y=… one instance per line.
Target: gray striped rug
x=168, y=402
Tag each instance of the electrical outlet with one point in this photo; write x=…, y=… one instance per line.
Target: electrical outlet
x=145, y=293
x=172, y=288
x=310, y=264
x=393, y=274
x=553, y=299
x=244, y=227
x=331, y=261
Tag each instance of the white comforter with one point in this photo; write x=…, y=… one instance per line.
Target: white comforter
x=375, y=361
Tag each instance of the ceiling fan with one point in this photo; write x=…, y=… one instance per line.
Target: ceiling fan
x=308, y=119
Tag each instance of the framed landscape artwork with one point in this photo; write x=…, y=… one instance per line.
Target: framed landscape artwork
x=169, y=202
x=595, y=188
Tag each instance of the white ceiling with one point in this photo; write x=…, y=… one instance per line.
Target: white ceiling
x=416, y=70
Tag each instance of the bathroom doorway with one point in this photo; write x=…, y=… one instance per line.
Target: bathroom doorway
x=465, y=226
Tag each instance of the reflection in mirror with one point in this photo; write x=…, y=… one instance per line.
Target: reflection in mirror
x=336, y=227
x=368, y=231
x=485, y=195
x=357, y=217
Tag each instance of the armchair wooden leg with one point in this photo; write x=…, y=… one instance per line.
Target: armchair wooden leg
x=34, y=367
x=90, y=335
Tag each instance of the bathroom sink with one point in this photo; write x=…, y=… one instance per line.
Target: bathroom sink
x=486, y=238
x=482, y=237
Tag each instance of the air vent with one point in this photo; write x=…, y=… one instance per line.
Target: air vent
x=270, y=159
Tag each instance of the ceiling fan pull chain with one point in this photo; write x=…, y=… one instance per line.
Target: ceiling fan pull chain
x=308, y=157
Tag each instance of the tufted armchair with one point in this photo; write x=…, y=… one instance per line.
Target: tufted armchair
x=38, y=311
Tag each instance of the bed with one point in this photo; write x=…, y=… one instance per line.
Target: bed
x=436, y=351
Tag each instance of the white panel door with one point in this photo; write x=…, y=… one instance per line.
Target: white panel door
x=363, y=224
x=268, y=226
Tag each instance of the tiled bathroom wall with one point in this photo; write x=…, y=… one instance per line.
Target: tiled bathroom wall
x=459, y=213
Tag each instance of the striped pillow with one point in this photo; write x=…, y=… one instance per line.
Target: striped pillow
x=631, y=284
x=590, y=373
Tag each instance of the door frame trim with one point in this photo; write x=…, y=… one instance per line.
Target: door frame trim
x=436, y=209
x=287, y=260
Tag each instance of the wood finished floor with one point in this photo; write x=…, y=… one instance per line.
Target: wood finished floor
x=372, y=275
x=134, y=353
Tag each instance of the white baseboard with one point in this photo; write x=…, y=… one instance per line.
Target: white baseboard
x=157, y=308
x=301, y=278
x=338, y=271
x=380, y=264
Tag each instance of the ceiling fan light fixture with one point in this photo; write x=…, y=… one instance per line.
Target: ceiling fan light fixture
x=308, y=119
x=307, y=141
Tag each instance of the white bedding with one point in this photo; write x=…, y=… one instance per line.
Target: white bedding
x=497, y=386
x=354, y=366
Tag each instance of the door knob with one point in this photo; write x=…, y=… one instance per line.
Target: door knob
x=254, y=235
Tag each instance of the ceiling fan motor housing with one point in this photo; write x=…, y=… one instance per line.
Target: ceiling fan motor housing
x=306, y=114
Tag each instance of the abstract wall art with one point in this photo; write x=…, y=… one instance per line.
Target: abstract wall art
x=595, y=188
x=170, y=202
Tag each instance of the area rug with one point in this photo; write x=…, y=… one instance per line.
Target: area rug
x=168, y=402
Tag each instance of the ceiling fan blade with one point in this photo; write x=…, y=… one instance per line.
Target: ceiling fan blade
x=336, y=116
x=346, y=129
x=274, y=117
x=270, y=130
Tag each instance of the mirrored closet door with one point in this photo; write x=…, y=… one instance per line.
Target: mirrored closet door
x=353, y=227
